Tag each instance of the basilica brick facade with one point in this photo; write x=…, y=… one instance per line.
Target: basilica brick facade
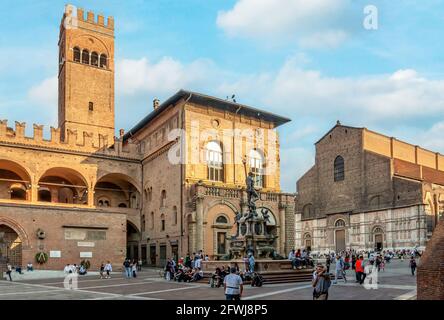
x=367, y=191
x=170, y=185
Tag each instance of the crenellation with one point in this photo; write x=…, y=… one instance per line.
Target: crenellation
x=90, y=17
x=38, y=132
x=20, y=128
x=55, y=135
x=71, y=138
x=101, y=20
x=3, y=128
x=110, y=24
x=80, y=14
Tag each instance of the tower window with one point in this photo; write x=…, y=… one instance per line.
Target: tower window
x=91, y=106
x=339, y=173
x=76, y=54
x=85, y=57
x=103, y=61
x=94, y=59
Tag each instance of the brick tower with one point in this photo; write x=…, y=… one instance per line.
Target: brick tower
x=86, y=75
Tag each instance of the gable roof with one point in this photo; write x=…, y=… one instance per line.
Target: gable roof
x=338, y=124
x=217, y=103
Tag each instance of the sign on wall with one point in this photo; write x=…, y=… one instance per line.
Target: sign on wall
x=86, y=254
x=55, y=254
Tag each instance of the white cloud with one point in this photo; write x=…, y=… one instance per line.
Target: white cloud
x=433, y=138
x=45, y=93
x=314, y=23
x=166, y=76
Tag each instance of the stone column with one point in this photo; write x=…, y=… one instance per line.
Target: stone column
x=34, y=193
x=282, y=250
x=90, y=197
x=199, y=222
x=289, y=226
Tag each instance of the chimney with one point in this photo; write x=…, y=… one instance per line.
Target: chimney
x=156, y=103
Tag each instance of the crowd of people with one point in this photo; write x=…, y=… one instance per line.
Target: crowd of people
x=300, y=259
x=365, y=264
x=76, y=269
x=186, y=270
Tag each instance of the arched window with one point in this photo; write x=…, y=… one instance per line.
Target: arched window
x=95, y=59
x=44, y=195
x=162, y=222
x=85, y=57
x=214, y=159
x=377, y=230
x=221, y=219
x=18, y=192
x=175, y=214
x=143, y=223
x=339, y=169
x=103, y=61
x=163, y=198
x=76, y=54
x=257, y=167
x=307, y=211
x=375, y=202
x=339, y=223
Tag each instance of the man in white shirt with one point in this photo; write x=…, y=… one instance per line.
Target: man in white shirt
x=67, y=269
x=233, y=285
x=198, y=263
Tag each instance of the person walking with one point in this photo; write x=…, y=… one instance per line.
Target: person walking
x=134, y=269
x=108, y=269
x=139, y=265
x=327, y=263
x=102, y=270
x=233, y=286
x=127, y=266
x=9, y=271
x=339, y=269
x=360, y=275
x=321, y=283
x=412, y=265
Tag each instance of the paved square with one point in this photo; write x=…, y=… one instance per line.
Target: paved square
x=395, y=282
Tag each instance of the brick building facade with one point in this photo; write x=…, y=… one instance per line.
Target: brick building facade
x=368, y=191
x=171, y=185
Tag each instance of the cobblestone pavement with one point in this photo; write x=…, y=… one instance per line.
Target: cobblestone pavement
x=395, y=282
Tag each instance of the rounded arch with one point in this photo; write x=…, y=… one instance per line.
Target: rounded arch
x=222, y=219
x=17, y=228
x=99, y=48
x=76, y=54
x=340, y=223
x=117, y=178
x=214, y=159
x=378, y=229
x=94, y=59
x=74, y=177
x=229, y=204
x=19, y=169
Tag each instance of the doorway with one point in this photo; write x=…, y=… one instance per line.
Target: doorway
x=378, y=242
x=153, y=254
x=163, y=254
x=340, y=240
x=10, y=247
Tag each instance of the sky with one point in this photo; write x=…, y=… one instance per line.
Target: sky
x=316, y=62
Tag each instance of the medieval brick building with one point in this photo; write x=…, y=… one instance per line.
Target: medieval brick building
x=368, y=191
x=171, y=185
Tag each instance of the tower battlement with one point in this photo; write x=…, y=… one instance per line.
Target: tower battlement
x=78, y=17
x=74, y=141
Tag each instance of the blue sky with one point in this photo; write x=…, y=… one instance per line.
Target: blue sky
x=312, y=61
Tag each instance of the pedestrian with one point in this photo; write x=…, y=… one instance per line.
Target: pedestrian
x=233, y=286
x=108, y=269
x=139, y=265
x=134, y=269
x=360, y=274
x=412, y=265
x=127, y=267
x=321, y=283
x=327, y=262
x=102, y=270
x=9, y=271
x=339, y=269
